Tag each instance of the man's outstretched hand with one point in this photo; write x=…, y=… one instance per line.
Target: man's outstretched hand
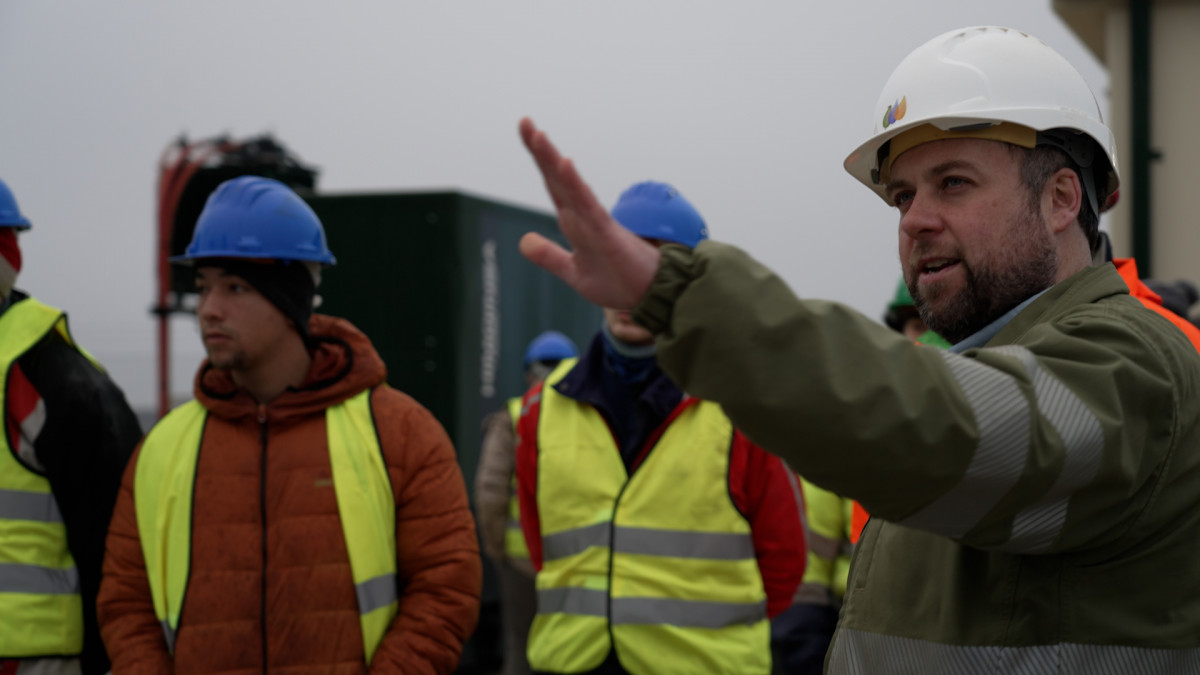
x=608, y=264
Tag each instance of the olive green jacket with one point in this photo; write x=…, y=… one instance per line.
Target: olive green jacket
x=1035, y=503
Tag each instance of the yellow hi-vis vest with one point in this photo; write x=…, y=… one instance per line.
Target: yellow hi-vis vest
x=41, y=610
x=828, y=520
x=166, y=472
x=660, y=566
x=514, y=538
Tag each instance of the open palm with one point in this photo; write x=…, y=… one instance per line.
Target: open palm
x=607, y=264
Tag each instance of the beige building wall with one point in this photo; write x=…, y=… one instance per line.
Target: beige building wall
x=1103, y=25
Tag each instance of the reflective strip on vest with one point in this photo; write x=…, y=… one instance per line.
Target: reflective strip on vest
x=41, y=609
x=660, y=567
x=36, y=506
x=514, y=537
x=859, y=652
x=163, y=483
x=368, y=513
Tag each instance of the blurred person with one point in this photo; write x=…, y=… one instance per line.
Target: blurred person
x=664, y=540
x=833, y=525
x=496, y=509
x=1035, y=489
x=299, y=514
x=902, y=316
x=1170, y=299
x=68, y=434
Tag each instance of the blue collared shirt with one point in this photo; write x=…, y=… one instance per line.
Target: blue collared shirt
x=985, y=334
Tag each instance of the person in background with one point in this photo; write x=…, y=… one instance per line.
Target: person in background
x=299, y=515
x=902, y=316
x=496, y=508
x=68, y=432
x=1170, y=299
x=833, y=525
x=664, y=540
x=1035, y=489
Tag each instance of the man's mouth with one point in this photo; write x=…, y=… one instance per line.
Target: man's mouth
x=932, y=269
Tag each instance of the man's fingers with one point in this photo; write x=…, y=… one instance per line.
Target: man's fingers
x=579, y=197
x=547, y=158
x=567, y=188
x=547, y=255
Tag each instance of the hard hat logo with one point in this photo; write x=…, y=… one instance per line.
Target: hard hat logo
x=895, y=112
x=975, y=82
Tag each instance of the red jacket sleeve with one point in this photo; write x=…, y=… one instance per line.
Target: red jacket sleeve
x=768, y=494
x=527, y=457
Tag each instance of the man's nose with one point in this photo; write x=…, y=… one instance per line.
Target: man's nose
x=209, y=308
x=921, y=217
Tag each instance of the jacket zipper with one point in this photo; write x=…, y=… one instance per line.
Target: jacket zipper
x=262, y=506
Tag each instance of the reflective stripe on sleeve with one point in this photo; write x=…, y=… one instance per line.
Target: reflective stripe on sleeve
x=34, y=579
x=861, y=653
x=1036, y=527
x=1003, y=416
x=22, y=505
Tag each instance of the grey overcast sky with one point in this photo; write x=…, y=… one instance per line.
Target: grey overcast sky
x=747, y=107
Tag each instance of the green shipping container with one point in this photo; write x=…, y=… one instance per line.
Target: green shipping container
x=437, y=283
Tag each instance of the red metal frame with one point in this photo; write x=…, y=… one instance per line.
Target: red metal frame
x=179, y=162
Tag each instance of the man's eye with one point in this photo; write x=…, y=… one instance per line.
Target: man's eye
x=901, y=198
x=954, y=181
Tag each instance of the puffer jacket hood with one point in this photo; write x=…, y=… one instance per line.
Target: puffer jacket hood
x=343, y=363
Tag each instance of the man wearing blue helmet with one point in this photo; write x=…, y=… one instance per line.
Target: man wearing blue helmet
x=299, y=514
x=664, y=540
x=496, y=510
x=68, y=433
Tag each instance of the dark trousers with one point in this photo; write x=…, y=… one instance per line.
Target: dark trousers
x=518, y=603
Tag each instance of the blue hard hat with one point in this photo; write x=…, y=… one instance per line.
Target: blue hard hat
x=549, y=346
x=10, y=215
x=256, y=217
x=657, y=211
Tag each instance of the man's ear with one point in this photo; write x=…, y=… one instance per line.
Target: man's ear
x=1064, y=194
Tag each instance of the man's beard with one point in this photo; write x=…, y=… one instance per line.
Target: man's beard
x=993, y=287
x=227, y=362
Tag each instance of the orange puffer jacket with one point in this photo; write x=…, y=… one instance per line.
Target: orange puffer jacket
x=270, y=587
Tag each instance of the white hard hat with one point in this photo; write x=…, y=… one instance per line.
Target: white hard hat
x=987, y=82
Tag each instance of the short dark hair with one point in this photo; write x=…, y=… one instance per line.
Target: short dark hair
x=1037, y=166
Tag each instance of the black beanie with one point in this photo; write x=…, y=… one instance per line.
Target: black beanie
x=287, y=284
